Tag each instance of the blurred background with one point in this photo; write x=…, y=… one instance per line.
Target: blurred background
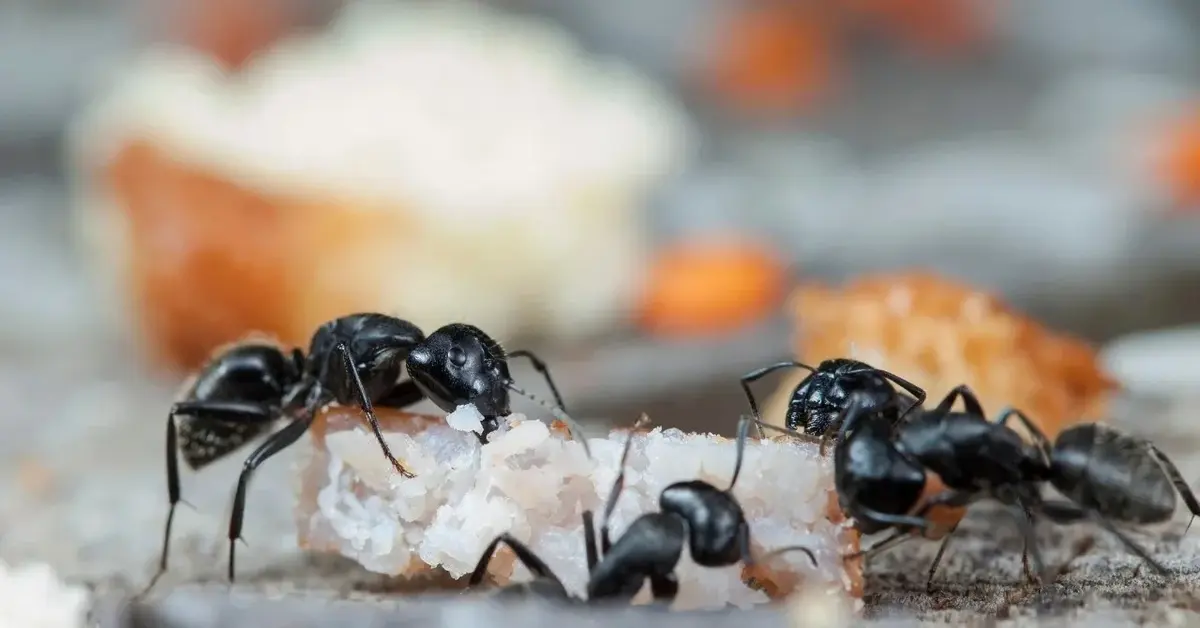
x=631, y=188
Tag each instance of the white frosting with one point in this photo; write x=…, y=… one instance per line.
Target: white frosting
x=445, y=108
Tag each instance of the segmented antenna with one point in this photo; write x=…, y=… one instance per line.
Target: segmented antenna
x=559, y=413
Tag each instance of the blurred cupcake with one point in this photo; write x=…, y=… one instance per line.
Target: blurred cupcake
x=437, y=161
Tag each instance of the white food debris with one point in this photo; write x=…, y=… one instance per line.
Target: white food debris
x=466, y=418
x=32, y=596
x=535, y=485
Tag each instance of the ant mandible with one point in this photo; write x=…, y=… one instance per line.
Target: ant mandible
x=352, y=360
x=693, y=512
x=817, y=401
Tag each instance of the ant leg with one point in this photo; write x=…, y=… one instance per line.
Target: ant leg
x=1181, y=485
x=276, y=443
x=917, y=392
x=364, y=401
x=937, y=558
x=531, y=561
x=1038, y=436
x=892, y=541
x=664, y=588
x=783, y=430
x=970, y=401
x=199, y=410
x=1066, y=512
x=401, y=396
x=791, y=548
x=589, y=541
x=541, y=368
x=758, y=374
x=884, y=519
x=611, y=503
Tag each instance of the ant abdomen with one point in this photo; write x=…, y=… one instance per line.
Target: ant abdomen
x=1087, y=458
x=650, y=547
x=717, y=530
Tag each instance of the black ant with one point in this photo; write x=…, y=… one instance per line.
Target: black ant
x=882, y=485
x=353, y=360
x=822, y=395
x=707, y=519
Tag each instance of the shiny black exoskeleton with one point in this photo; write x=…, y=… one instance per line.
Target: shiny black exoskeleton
x=1110, y=477
x=890, y=476
x=694, y=513
x=975, y=458
x=823, y=394
x=353, y=360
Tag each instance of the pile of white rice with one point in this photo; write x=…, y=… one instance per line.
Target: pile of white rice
x=534, y=484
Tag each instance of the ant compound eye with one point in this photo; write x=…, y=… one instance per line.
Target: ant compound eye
x=458, y=357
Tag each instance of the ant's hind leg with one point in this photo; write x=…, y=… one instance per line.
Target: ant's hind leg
x=230, y=412
x=1181, y=485
x=1066, y=512
x=1038, y=436
x=531, y=561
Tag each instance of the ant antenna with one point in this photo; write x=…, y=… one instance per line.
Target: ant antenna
x=559, y=413
x=618, y=485
x=758, y=374
x=783, y=550
x=743, y=430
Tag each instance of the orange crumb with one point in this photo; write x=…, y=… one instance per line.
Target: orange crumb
x=1178, y=164
x=704, y=288
x=940, y=333
x=773, y=59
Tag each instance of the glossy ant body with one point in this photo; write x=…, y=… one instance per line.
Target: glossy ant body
x=694, y=513
x=1107, y=476
x=820, y=398
x=918, y=476
x=353, y=360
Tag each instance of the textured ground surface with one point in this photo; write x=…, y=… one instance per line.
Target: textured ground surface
x=82, y=488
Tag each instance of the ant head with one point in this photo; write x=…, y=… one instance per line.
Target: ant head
x=460, y=364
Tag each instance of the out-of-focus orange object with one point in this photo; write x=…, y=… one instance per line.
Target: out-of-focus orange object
x=936, y=27
x=709, y=287
x=232, y=31
x=208, y=260
x=1178, y=165
x=938, y=334
x=772, y=59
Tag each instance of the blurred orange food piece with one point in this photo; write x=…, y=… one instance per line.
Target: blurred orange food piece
x=1179, y=159
x=232, y=31
x=939, y=334
x=208, y=260
x=711, y=287
x=773, y=59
